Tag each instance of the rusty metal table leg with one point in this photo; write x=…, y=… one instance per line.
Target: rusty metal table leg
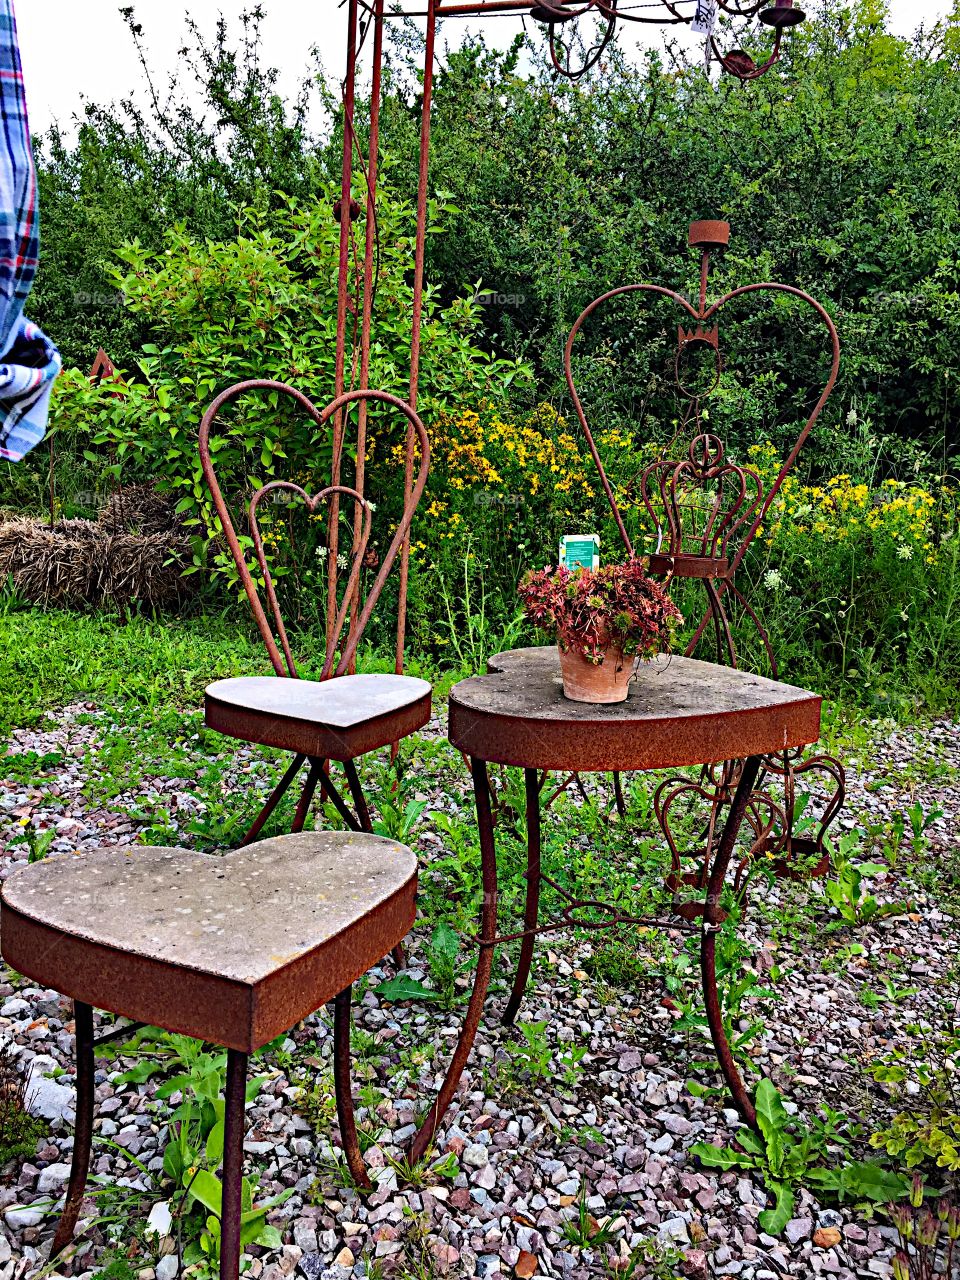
x=231, y=1204
x=481, y=981
x=618, y=795
x=532, y=910
x=708, y=940
x=83, y=1128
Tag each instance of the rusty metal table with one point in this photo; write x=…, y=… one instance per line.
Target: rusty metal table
x=680, y=712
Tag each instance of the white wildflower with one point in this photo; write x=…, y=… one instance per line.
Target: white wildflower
x=773, y=580
x=904, y=551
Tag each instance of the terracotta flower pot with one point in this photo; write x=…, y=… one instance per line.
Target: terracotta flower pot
x=585, y=682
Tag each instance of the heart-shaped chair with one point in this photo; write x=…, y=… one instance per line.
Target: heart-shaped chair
x=705, y=512
x=233, y=949
x=341, y=716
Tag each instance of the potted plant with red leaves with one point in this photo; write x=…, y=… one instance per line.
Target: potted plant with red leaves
x=606, y=621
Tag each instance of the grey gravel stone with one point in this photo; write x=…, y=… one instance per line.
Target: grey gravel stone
x=617, y=1135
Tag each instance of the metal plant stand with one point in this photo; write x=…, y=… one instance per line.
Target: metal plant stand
x=680, y=712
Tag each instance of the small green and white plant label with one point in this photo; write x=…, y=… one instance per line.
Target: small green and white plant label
x=580, y=551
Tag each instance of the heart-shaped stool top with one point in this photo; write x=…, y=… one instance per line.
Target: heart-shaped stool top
x=337, y=719
x=234, y=949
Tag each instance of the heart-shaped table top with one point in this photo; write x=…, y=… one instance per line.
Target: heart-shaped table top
x=234, y=948
x=679, y=712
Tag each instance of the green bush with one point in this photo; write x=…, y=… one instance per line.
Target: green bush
x=263, y=305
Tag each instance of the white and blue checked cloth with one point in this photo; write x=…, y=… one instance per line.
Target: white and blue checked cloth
x=29, y=362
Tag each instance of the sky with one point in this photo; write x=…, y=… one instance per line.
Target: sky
x=77, y=49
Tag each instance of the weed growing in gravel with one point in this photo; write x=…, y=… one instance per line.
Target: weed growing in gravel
x=920, y=824
x=446, y=966
x=891, y=994
x=530, y=1057
x=36, y=842
x=316, y=1100
x=789, y=1154
x=846, y=890
x=450, y=888
x=19, y=1131
x=928, y=1237
x=658, y=1262
x=923, y=1078
x=194, y=1149
x=743, y=991
x=29, y=767
x=116, y=1269
x=584, y=1230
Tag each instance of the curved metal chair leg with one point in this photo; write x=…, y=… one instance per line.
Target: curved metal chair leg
x=231, y=1204
x=532, y=911
x=306, y=796
x=83, y=1128
x=343, y=1089
x=708, y=941
x=481, y=980
x=357, y=796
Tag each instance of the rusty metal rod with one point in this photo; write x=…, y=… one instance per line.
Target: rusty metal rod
x=83, y=1128
x=363, y=815
x=712, y=915
x=532, y=909
x=417, y=318
x=370, y=253
x=343, y=267
x=481, y=980
x=357, y=796
x=306, y=795
x=118, y=1033
x=320, y=417
x=276, y=796
x=618, y=794
x=343, y=1088
x=231, y=1205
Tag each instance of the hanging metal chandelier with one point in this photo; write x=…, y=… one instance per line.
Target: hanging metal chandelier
x=578, y=31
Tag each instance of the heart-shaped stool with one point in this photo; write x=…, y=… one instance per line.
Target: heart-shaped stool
x=233, y=949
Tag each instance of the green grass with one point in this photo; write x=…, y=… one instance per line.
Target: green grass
x=145, y=680
x=50, y=659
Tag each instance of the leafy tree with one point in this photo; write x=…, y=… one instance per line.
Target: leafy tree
x=263, y=305
x=838, y=172
x=134, y=172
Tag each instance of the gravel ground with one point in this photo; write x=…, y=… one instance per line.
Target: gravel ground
x=615, y=1138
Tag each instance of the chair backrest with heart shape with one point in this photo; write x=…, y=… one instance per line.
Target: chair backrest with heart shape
x=706, y=510
x=349, y=609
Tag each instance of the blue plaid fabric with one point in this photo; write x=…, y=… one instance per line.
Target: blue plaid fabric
x=29, y=362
